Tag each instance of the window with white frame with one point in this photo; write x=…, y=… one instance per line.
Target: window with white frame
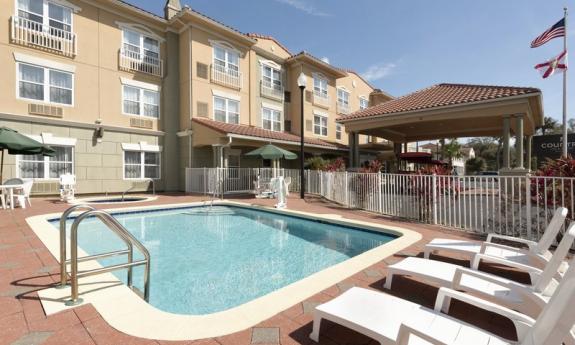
x=363, y=103
x=50, y=17
x=43, y=167
x=338, y=131
x=141, y=165
x=271, y=77
x=320, y=125
x=320, y=86
x=141, y=47
x=140, y=101
x=45, y=84
x=271, y=119
x=226, y=60
x=226, y=110
x=342, y=97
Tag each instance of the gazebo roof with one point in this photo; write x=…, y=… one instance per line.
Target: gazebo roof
x=448, y=110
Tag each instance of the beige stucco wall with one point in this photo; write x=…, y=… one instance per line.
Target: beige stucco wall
x=97, y=85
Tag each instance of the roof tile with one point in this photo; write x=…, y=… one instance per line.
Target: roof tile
x=258, y=132
x=440, y=95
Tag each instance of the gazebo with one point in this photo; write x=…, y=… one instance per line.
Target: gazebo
x=451, y=111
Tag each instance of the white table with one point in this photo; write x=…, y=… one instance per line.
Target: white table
x=10, y=189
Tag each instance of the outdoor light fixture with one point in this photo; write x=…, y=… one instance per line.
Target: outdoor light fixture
x=301, y=81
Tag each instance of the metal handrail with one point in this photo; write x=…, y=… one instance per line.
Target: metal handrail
x=125, y=236
x=126, y=191
x=63, y=218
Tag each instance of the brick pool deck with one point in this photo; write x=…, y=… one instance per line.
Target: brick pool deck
x=27, y=266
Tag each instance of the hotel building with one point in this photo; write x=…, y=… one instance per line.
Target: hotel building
x=125, y=96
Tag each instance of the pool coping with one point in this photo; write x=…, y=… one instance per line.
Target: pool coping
x=127, y=312
x=98, y=200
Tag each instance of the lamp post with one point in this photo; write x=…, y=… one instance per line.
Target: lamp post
x=301, y=81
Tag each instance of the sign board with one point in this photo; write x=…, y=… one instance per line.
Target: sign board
x=551, y=146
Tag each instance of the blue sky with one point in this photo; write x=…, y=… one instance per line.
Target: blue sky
x=405, y=45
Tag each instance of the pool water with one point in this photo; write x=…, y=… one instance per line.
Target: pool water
x=205, y=260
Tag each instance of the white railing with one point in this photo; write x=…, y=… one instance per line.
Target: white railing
x=272, y=91
x=320, y=99
x=519, y=206
x=343, y=108
x=28, y=32
x=133, y=61
x=226, y=77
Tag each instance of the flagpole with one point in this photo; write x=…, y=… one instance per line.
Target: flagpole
x=565, y=88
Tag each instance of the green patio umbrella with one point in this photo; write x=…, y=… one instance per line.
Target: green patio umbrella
x=270, y=151
x=19, y=144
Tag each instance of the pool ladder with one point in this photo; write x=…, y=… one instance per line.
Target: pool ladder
x=119, y=230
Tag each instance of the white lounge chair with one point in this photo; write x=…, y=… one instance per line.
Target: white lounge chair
x=391, y=320
x=536, y=255
x=528, y=299
x=22, y=195
x=67, y=187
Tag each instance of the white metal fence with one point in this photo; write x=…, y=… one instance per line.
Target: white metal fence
x=515, y=205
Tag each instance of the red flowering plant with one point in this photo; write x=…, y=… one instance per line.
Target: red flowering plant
x=336, y=165
x=421, y=187
x=554, y=184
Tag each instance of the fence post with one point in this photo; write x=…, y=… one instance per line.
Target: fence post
x=346, y=191
x=528, y=205
x=205, y=182
x=379, y=206
x=434, y=197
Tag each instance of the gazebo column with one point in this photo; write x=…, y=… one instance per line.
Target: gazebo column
x=528, y=147
x=506, y=146
x=519, y=142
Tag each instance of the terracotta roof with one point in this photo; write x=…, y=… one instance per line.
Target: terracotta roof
x=265, y=37
x=251, y=131
x=337, y=71
x=438, y=96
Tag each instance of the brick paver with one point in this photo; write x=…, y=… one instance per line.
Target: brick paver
x=26, y=266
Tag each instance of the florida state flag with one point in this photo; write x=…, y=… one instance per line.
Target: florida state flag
x=548, y=68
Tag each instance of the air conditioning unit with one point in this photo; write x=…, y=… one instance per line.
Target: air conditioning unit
x=141, y=123
x=45, y=110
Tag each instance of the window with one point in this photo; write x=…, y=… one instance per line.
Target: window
x=46, y=16
x=342, y=97
x=320, y=86
x=41, y=167
x=45, y=84
x=363, y=103
x=226, y=110
x=320, y=125
x=226, y=60
x=141, y=165
x=271, y=119
x=142, y=102
x=271, y=77
x=141, y=47
x=338, y=131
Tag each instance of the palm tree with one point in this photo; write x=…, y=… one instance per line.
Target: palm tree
x=452, y=151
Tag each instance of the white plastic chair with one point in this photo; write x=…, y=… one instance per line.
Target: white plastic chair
x=67, y=187
x=391, y=320
x=537, y=254
x=529, y=299
x=22, y=195
x=287, y=181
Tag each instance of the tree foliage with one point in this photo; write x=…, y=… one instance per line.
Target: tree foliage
x=475, y=165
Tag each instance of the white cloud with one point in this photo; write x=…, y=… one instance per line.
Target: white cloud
x=379, y=71
x=304, y=6
x=325, y=59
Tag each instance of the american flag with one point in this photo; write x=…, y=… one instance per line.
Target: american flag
x=557, y=30
x=548, y=68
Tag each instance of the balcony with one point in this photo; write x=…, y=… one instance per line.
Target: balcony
x=226, y=77
x=320, y=99
x=343, y=108
x=132, y=61
x=30, y=33
x=272, y=91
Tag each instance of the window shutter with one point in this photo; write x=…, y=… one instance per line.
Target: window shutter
x=308, y=96
x=287, y=97
x=202, y=109
x=287, y=126
x=308, y=126
x=202, y=70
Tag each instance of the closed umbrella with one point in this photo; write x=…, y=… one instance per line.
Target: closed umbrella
x=19, y=144
x=270, y=151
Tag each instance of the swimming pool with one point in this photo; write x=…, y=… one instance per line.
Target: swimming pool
x=206, y=260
